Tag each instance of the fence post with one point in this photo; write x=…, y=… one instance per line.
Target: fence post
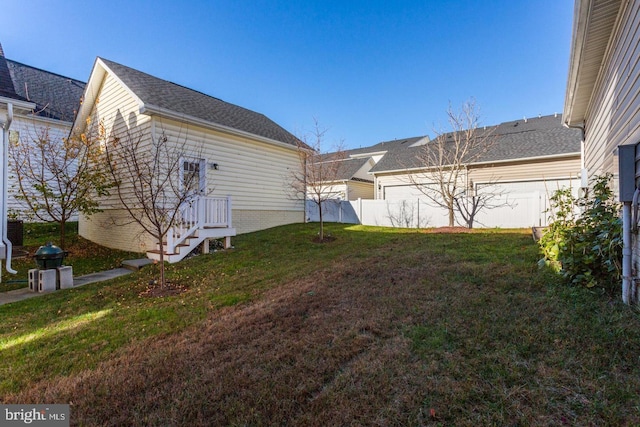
x=229, y=222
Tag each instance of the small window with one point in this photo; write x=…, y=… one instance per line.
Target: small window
x=193, y=175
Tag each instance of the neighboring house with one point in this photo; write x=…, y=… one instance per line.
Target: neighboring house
x=527, y=161
x=53, y=102
x=242, y=154
x=353, y=179
x=31, y=101
x=602, y=100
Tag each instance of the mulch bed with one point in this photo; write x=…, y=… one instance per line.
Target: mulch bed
x=450, y=230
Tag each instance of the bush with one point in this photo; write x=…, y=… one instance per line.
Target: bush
x=585, y=248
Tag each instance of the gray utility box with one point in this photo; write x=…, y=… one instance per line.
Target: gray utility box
x=627, y=171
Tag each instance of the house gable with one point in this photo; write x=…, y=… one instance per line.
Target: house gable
x=157, y=97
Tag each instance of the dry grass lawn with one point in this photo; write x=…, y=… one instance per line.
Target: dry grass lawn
x=417, y=329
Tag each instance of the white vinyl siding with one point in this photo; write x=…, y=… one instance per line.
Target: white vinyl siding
x=117, y=110
x=400, y=185
x=254, y=173
x=360, y=190
x=27, y=129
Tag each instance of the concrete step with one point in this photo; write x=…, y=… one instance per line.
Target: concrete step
x=136, y=264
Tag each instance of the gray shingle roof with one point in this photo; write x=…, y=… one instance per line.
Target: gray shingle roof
x=6, y=83
x=385, y=146
x=57, y=97
x=155, y=92
x=349, y=167
x=519, y=139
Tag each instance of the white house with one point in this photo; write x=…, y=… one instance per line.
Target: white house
x=54, y=100
x=241, y=154
x=31, y=100
x=528, y=160
x=602, y=100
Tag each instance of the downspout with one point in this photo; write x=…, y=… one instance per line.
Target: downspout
x=584, y=181
x=627, y=252
x=627, y=183
x=5, y=186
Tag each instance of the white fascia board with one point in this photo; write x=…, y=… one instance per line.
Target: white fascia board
x=91, y=91
x=89, y=96
x=151, y=110
x=18, y=104
x=46, y=120
x=579, y=34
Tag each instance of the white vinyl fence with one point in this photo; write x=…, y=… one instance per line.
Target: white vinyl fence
x=516, y=211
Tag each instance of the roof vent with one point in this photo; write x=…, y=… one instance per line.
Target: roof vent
x=555, y=115
x=525, y=120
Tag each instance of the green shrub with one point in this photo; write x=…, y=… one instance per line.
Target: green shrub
x=585, y=248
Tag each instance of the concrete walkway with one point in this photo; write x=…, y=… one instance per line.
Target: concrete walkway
x=25, y=293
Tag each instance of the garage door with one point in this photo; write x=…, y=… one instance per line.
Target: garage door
x=409, y=192
x=402, y=192
x=548, y=187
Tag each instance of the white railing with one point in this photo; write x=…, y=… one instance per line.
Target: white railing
x=197, y=213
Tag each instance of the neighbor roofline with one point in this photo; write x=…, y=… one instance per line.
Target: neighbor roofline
x=519, y=159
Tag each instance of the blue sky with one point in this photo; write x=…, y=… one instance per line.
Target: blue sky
x=369, y=71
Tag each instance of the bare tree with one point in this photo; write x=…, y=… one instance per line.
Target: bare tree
x=149, y=182
x=475, y=200
x=56, y=177
x=443, y=161
x=319, y=172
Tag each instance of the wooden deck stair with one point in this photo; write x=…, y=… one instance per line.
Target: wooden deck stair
x=200, y=220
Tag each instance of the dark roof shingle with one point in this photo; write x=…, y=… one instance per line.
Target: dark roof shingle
x=520, y=139
x=57, y=97
x=155, y=92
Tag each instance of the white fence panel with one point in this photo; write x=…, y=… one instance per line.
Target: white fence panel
x=514, y=211
x=518, y=211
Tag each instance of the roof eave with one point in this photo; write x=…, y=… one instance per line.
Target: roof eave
x=591, y=18
x=91, y=93
x=18, y=104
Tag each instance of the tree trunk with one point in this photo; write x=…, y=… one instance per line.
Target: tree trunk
x=161, y=281
x=62, y=233
x=321, y=236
